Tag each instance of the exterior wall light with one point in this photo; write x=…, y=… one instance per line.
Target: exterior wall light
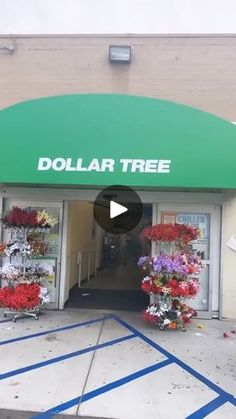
x=119, y=54
x=9, y=49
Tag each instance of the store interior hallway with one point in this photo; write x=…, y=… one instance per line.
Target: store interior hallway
x=119, y=277
x=102, y=271
x=114, y=288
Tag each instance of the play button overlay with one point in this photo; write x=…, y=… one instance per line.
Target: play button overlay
x=117, y=209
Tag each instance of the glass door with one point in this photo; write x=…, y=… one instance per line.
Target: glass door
x=207, y=219
x=51, y=259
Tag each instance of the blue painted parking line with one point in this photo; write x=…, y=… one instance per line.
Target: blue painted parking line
x=222, y=398
x=208, y=408
x=56, y=330
x=182, y=364
x=101, y=390
x=214, y=404
x=65, y=357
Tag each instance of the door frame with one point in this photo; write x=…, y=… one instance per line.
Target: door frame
x=158, y=200
x=214, y=285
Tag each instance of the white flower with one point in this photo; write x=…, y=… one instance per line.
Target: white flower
x=46, y=299
x=45, y=219
x=23, y=248
x=166, y=322
x=10, y=271
x=152, y=310
x=39, y=268
x=11, y=248
x=43, y=295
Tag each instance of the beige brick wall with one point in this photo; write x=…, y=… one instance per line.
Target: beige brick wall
x=228, y=260
x=197, y=71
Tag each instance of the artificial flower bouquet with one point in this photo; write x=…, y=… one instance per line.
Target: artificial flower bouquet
x=24, y=290
x=23, y=297
x=22, y=277
x=28, y=218
x=27, y=248
x=171, y=316
x=13, y=273
x=10, y=272
x=178, y=234
x=169, y=274
x=38, y=247
x=170, y=278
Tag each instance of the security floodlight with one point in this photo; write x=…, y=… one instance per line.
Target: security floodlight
x=120, y=54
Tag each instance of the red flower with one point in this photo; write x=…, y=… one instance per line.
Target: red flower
x=181, y=234
x=5, y=296
x=21, y=217
x=22, y=297
x=149, y=317
x=185, y=289
x=187, y=314
x=146, y=286
x=149, y=286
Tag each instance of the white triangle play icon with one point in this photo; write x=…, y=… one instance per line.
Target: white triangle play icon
x=116, y=209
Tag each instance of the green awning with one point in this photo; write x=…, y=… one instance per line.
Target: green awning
x=101, y=140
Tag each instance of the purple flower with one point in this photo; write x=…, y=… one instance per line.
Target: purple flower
x=161, y=263
x=142, y=260
x=169, y=265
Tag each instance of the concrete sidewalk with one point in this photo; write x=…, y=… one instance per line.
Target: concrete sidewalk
x=16, y=414
x=113, y=365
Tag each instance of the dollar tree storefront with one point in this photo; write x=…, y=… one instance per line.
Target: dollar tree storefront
x=57, y=153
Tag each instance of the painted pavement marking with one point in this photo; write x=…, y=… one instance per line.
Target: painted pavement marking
x=223, y=396
x=171, y=359
x=181, y=364
x=64, y=357
x=104, y=389
x=59, y=329
x=208, y=408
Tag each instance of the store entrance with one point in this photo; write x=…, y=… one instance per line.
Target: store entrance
x=103, y=266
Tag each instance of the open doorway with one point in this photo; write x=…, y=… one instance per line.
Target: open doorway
x=102, y=267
